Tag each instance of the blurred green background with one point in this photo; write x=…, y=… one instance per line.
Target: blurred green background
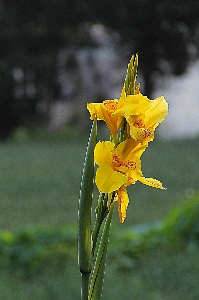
x=40, y=181
x=55, y=56
x=41, y=175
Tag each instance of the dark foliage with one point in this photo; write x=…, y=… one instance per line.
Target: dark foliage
x=33, y=32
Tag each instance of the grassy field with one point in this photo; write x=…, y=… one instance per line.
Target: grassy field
x=40, y=182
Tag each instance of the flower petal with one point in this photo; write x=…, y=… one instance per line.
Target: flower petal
x=157, y=112
x=142, y=135
x=108, y=180
x=95, y=111
x=123, y=201
x=102, y=152
x=129, y=148
x=152, y=182
x=110, y=120
x=133, y=105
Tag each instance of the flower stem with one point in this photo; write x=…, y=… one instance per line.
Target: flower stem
x=101, y=213
x=98, y=272
x=85, y=283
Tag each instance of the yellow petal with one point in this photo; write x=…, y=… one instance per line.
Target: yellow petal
x=123, y=201
x=95, y=110
x=110, y=120
x=108, y=180
x=152, y=182
x=102, y=152
x=157, y=112
x=132, y=169
x=142, y=135
x=129, y=148
x=133, y=105
x=133, y=131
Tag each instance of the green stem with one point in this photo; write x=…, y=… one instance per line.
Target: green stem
x=98, y=272
x=96, y=229
x=85, y=283
x=100, y=216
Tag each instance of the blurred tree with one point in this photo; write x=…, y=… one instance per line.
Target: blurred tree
x=162, y=31
x=33, y=32
x=30, y=37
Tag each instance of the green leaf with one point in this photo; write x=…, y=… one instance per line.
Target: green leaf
x=85, y=206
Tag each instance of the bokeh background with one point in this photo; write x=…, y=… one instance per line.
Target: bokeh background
x=56, y=56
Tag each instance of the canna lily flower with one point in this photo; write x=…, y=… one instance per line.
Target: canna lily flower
x=144, y=120
x=103, y=111
x=112, y=111
x=118, y=168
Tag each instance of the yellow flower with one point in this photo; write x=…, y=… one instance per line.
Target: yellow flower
x=143, y=115
x=120, y=167
x=103, y=111
x=112, y=111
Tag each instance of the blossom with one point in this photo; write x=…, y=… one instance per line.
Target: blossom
x=113, y=111
x=118, y=168
x=103, y=111
x=143, y=119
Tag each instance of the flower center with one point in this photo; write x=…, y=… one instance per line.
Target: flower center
x=111, y=105
x=139, y=123
x=145, y=133
x=118, y=162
